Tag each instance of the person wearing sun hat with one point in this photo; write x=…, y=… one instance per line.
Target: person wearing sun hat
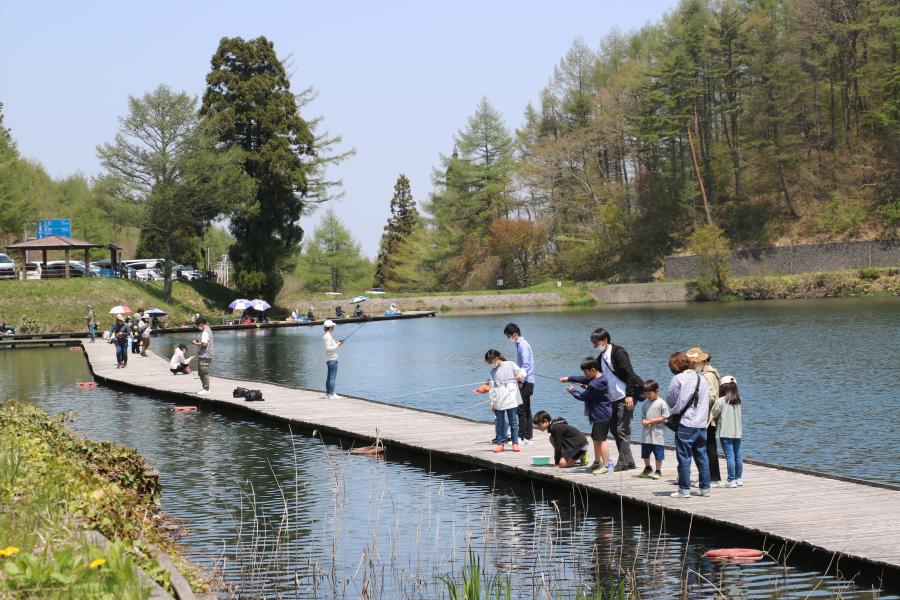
x=701, y=361
x=331, y=359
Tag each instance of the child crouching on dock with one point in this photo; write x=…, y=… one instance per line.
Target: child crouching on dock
x=180, y=364
x=570, y=446
x=655, y=413
x=597, y=408
x=503, y=387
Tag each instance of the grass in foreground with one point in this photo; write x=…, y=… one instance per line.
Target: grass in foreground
x=54, y=486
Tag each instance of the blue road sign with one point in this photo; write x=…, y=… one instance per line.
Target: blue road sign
x=60, y=227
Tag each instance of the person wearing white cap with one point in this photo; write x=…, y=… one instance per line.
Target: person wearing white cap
x=727, y=413
x=331, y=359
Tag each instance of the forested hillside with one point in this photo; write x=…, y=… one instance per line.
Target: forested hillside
x=774, y=120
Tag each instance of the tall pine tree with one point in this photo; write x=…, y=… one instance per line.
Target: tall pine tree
x=404, y=217
x=248, y=101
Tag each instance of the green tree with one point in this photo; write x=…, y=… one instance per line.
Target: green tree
x=404, y=217
x=333, y=259
x=169, y=168
x=15, y=210
x=249, y=103
x=410, y=269
x=711, y=246
x=473, y=188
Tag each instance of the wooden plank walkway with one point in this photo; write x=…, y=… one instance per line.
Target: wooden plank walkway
x=841, y=517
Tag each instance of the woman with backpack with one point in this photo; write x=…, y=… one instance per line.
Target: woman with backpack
x=688, y=400
x=701, y=361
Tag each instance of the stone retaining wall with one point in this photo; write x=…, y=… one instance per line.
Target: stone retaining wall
x=789, y=260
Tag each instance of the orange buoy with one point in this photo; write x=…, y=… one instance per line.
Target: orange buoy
x=87, y=384
x=736, y=553
x=185, y=409
x=368, y=451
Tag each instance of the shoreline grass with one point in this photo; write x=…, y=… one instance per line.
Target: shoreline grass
x=54, y=487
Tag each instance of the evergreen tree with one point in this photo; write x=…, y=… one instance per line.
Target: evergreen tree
x=404, y=217
x=333, y=259
x=15, y=210
x=473, y=188
x=249, y=103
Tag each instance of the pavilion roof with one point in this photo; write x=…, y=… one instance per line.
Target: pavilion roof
x=54, y=242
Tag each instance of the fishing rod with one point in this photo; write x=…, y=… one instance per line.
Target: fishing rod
x=354, y=331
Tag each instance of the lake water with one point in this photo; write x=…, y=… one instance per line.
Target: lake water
x=277, y=513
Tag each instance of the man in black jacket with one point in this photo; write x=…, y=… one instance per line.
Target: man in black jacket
x=624, y=388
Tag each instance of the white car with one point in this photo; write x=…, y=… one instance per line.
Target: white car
x=7, y=267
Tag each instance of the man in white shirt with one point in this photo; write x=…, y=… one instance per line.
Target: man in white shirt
x=204, y=355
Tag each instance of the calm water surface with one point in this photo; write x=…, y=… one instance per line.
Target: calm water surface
x=277, y=512
x=816, y=377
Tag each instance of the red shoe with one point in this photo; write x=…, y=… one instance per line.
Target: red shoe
x=498, y=448
x=516, y=448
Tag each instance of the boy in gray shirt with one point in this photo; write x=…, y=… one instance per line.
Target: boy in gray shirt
x=655, y=413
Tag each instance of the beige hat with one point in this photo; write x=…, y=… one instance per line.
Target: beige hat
x=120, y=317
x=697, y=355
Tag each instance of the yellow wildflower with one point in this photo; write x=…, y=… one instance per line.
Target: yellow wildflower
x=95, y=564
x=96, y=494
x=9, y=551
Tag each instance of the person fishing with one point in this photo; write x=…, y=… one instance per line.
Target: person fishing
x=119, y=334
x=331, y=360
x=624, y=388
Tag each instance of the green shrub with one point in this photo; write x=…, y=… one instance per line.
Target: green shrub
x=869, y=274
x=890, y=215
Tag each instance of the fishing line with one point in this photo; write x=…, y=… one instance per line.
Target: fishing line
x=354, y=331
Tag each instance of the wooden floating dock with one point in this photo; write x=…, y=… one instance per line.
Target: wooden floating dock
x=854, y=522
x=73, y=338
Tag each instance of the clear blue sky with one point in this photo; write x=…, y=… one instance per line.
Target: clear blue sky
x=395, y=79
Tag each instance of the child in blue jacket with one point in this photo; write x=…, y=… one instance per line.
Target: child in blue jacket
x=597, y=408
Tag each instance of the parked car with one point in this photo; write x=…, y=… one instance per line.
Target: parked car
x=376, y=291
x=7, y=267
x=188, y=273
x=33, y=270
x=144, y=269
x=57, y=268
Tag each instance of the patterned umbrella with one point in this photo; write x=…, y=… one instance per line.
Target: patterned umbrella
x=239, y=304
x=260, y=305
x=120, y=310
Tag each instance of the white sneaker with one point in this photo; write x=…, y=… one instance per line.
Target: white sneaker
x=739, y=483
x=681, y=494
x=731, y=484
x=334, y=397
x=203, y=392
x=707, y=492
x=718, y=483
x=525, y=442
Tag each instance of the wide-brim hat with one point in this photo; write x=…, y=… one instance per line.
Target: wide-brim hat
x=697, y=355
x=120, y=317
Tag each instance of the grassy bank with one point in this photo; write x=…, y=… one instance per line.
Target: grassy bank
x=837, y=284
x=53, y=486
x=60, y=305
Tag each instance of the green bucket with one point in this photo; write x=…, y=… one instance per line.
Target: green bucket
x=542, y=460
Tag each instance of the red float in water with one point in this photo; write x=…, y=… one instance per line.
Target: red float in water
x=87, y=384
x=741, y=553
x=185, y=409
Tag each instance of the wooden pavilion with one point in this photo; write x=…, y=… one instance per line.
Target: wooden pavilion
x=55, y=243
